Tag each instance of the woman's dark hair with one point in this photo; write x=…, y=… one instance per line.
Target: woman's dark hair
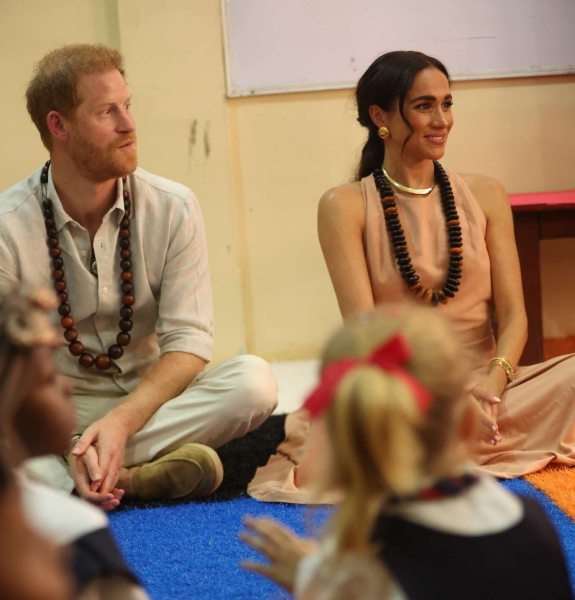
x=386, y=83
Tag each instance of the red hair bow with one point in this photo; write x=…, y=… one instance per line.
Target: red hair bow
x=389, y=357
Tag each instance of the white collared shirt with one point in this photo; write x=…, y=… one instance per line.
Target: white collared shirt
x=173, y=309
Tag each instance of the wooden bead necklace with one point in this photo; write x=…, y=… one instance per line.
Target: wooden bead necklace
x=397, y=237
x=76, y=348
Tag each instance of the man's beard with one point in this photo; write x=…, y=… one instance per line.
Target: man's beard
x=102, y=164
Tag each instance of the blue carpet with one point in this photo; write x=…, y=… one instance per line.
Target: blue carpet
x=564, y=525
x=192, y=551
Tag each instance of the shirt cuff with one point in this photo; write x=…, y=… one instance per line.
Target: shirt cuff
x=196, y=342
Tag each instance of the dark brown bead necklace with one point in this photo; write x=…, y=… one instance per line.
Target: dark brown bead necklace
x=397, y=237
x=76, y=348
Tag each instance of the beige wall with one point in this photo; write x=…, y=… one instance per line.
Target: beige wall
x=28, y=29
x=259, y=165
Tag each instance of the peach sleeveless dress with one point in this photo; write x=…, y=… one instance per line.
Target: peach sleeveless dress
x=536, y=417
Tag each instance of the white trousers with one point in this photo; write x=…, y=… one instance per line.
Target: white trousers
x=222, y=403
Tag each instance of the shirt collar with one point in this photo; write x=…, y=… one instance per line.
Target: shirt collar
x=118, y=206
x=61, y=217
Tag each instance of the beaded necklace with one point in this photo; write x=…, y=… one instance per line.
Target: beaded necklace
x=76, y=348
x=397, y=237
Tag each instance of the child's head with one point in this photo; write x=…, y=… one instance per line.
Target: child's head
x=390, y=433
x=35, y=410
x=26, y=369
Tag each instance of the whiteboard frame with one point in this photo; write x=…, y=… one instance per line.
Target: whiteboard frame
x=233, y=91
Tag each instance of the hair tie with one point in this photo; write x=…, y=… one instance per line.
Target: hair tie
x=389, y=357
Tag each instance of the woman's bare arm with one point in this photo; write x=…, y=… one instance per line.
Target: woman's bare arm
x=505, y=270
x=341, y=223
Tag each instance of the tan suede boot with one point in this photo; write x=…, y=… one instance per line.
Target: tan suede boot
x=192, y=471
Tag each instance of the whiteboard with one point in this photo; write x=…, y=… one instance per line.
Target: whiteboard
x=277, y=46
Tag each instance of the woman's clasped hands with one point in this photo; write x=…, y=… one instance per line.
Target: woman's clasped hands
x=485, y=393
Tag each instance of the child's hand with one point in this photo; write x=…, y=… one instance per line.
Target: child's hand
x=282, y=547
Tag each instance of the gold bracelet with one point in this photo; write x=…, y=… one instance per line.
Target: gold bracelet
x=505, y=365
x=73, y=442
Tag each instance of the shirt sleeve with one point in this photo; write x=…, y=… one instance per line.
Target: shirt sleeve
x=8, y=265
x=185, y=321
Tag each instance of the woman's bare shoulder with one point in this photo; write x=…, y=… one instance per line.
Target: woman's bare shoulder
x=488, y=191
x=483, y=184
x=346, y=199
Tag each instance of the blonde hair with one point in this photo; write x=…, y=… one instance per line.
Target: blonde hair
x=381, y=443
x=54, y=85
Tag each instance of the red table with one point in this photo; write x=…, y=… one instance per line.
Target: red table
x=538, y=216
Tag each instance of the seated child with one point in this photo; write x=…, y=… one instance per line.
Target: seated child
x=37, y=419
x=31, y=568
x=414, y=521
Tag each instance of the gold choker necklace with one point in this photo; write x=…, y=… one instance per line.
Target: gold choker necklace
x=404, y=188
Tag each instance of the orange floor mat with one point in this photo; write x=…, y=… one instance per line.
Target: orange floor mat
x=558, y=482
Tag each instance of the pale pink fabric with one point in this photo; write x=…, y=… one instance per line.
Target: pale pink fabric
x=537, y=414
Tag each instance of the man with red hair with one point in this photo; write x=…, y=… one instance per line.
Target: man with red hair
x=126, y=253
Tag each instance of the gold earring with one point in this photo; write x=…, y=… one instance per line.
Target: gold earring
x=383, y=132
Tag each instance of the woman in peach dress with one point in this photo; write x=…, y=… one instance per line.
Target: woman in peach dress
x=408, y=231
